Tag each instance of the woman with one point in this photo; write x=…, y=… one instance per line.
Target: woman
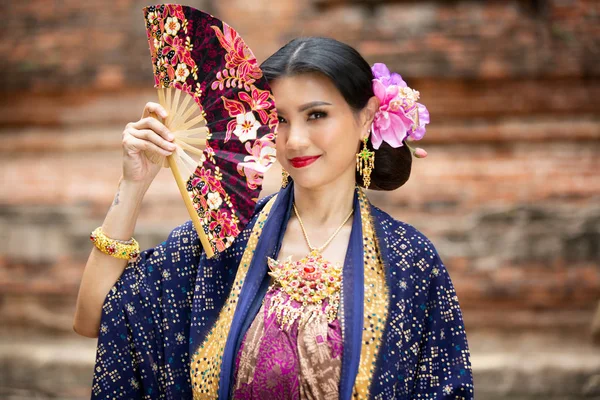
x=257, y=321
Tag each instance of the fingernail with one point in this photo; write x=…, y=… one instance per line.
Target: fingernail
x=170, y=136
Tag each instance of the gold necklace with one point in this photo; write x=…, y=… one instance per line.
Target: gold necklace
x=319, y=249
x=308, y=282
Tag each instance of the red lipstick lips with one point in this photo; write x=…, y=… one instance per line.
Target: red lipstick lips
x=299, y=162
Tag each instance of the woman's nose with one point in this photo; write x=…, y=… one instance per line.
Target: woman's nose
x=297, y=138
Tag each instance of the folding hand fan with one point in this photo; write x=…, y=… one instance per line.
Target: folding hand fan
x=222, y=114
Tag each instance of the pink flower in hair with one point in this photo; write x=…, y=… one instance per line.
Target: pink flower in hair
x=399, y=116
x=382, y=73
x=390, y=123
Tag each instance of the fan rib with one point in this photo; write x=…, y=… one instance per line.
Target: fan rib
x=190, y=132
x=187, y=161
x=169, y=109
x=161, y=97
x=192, y=122
x=196, y=141
x=186, y=115
x=175, y=104
x=189, y=148
x=177, y=119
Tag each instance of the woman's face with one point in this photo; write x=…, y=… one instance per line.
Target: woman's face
x=318, y=134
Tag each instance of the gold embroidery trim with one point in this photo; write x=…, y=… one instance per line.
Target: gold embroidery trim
x=205, y=368
x=376, y=302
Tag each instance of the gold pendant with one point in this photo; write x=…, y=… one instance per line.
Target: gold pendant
x=308, y=282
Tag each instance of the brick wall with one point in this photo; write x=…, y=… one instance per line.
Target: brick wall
x=509, y=195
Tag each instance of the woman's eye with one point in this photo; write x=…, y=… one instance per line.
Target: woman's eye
x=281, y=120
x=317, y=115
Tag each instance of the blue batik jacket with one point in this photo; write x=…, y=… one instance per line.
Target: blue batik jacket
x=173, y=323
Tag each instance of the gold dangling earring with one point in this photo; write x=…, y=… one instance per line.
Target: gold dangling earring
x=365, y=163
x=284, y=178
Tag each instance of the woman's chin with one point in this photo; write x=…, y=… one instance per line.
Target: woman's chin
x=313, y=181
x=308, y=181
x=305, y=183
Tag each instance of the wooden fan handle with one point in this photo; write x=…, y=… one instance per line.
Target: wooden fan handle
x=188, y=203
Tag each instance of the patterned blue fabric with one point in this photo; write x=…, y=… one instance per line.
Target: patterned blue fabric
x=146, y=325
x=164, y=304
x=424, y=354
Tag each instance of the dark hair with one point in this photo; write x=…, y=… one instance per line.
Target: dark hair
x=352, y=76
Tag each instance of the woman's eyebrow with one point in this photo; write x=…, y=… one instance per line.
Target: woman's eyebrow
x=313, y=104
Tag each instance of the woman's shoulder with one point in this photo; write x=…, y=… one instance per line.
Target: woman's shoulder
x=263, y=201
x=410, y=249
x=403, y=236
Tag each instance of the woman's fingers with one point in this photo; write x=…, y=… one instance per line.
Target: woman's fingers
x=145, y=145
x=155, y=125
x=156, y=108
x=151, y=136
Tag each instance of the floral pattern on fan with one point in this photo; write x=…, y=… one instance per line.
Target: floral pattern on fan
x=205, y=58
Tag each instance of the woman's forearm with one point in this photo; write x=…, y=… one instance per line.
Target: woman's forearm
x=101, y=270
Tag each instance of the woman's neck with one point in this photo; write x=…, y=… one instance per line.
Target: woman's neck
x=324, y=206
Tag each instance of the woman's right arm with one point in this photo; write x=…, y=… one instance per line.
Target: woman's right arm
x=148, y=135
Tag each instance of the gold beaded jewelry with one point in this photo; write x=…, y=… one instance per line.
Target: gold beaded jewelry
x=284, y=178
x=365, y=162
x=308, y=281
x=123, y=249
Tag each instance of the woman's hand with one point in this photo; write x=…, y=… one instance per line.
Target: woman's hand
x=144, y=137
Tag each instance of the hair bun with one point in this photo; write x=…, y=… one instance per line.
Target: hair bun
x=392, y=167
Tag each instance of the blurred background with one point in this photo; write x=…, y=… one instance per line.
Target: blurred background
x=509, y=195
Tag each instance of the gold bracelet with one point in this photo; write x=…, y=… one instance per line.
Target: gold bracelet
x=125, y=250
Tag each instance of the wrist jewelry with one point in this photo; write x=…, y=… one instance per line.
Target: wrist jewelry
x=124, y=249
